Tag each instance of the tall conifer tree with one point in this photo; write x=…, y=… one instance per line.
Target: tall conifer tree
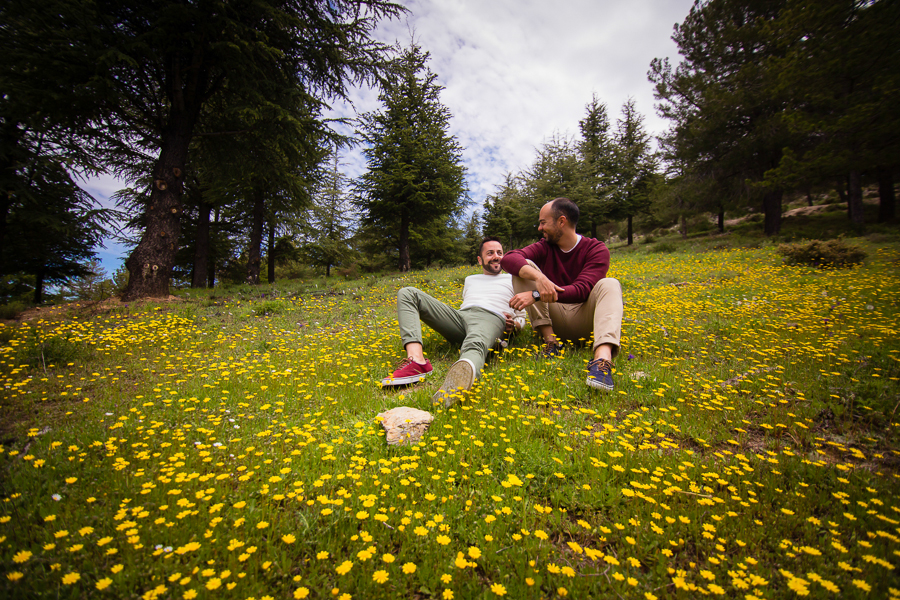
x=415, y=177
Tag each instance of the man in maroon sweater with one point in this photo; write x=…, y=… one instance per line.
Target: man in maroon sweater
x=561, y=282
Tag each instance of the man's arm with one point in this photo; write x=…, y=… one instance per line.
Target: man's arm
x=515, y=262
x=548, y=290
x=594, y=268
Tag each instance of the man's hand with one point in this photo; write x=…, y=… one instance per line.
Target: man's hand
x=520, y=301
x=511, y=324
x=548, y=289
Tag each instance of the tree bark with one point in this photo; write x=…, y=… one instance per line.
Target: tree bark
x=887, y=200
x=684, y=227
x=150, y=264
x=201, y=250
x=211, y=276
x=772, y=211
x=854, y=198
x=11, y=136
x=721, y=220
x=39, y=287
x=630, y=230
x=256, y=231
x=404, y=264
x=842, y=195
x=270, y=253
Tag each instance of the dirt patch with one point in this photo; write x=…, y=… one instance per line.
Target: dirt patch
x=806, y=210
x=66, y=311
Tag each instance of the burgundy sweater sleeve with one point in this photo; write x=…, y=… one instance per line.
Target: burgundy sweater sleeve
x=594, y=264
x=514, y=260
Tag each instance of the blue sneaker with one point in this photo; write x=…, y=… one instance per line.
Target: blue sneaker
x=600, y=374
x=551, y=350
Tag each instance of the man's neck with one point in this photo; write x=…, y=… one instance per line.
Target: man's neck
x=568, y=240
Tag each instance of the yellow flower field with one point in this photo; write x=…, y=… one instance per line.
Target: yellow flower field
x=228, y=447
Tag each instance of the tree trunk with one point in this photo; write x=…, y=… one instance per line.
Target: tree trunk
x=11, y=136
x=270, y=253
x=721, y=221
x=211, y=276
x=39, y=286
x=404, y=264
x=772, y=211
x=842, y=195
x=201, y=251
x=593, y=230
x=887, y=200
x=256, y=232
x=854, y=198
x=684, y=229
x=809, y=198
x=150, y=264
x=630, y=230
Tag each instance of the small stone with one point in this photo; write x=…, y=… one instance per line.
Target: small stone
x=405, y=425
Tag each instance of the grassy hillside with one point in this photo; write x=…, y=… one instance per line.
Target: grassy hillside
x=225, y=444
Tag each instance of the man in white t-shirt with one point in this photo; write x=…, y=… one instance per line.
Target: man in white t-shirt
x=482, y=318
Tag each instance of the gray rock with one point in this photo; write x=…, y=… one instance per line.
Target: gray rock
x=405, y=425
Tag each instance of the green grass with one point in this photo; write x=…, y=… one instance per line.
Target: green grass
x=226, y=445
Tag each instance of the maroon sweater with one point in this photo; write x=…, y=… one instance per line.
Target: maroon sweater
x=576, y=271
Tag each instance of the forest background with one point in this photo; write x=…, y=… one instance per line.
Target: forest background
x=234, y=178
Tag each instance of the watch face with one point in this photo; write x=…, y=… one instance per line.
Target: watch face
x=536, y=294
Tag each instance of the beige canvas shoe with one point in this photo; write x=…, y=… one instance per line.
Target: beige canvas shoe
x=460, y=379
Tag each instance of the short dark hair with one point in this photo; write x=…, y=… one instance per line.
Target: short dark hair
x=485, y=241
x=567, y=208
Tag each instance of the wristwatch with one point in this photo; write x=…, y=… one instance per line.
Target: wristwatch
x=535, y=294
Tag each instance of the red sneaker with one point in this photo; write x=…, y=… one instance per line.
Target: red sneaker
x=407, y=371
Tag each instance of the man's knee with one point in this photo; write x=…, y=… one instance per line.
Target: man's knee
x=524, y=285
x=608, y=286
x=406, y=294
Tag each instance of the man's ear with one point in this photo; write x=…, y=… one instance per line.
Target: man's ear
x=480, y=262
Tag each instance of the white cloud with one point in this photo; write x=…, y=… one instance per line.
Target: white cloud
x=515, y=72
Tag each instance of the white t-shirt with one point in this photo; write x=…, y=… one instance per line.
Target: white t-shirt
x=493, y=293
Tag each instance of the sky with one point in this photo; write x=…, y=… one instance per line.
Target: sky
x=515, y=73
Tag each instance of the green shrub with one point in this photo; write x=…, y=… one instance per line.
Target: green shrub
x=12, y=310
x=663, y=247
x=269, y=307
x=816, y=253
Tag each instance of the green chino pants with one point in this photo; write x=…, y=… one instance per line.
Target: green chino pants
x=475, y=329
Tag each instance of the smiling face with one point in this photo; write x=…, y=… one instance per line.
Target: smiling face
x=489, y=259
x=549, y=226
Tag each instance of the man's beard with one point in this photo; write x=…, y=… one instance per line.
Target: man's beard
x=553, y=237
x=492, y=267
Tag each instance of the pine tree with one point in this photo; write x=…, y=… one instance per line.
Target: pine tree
x=331, y=221
x=840, y=74
x=155, y=66
x=53, y=227
x=415, y=177
x=597, y=153
x=728, y=122
x=635, y=165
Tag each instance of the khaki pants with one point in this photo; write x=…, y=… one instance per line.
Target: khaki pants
x=600, y=314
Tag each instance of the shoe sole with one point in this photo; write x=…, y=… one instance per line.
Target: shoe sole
x=599, y=386
x=394, y=381
x=460, y=378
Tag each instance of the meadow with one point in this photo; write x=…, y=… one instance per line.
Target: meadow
x=225, y=445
